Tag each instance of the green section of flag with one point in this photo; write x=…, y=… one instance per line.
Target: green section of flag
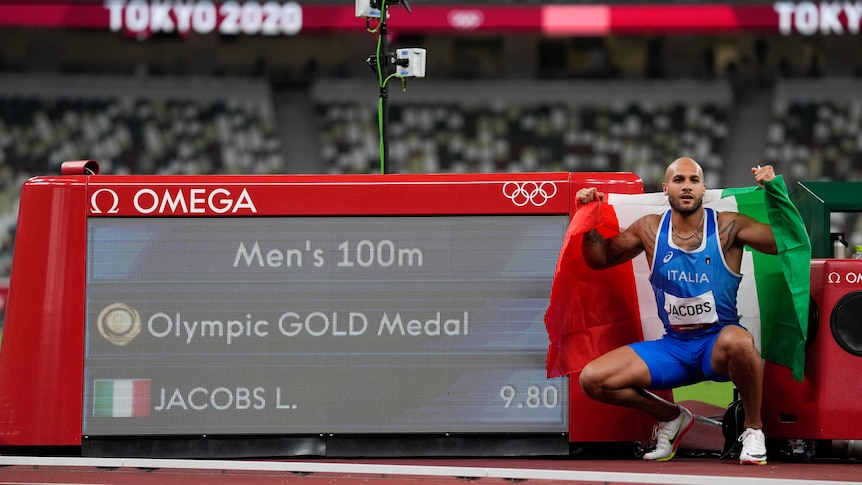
x=783, y=281
x=103, y=398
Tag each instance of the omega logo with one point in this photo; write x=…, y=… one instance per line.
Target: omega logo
x=96, y=207
x=218, y=200
x=852, y=278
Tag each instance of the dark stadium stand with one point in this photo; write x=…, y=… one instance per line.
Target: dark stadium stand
x=528, y=126
x=816, y=129
x=130, y=125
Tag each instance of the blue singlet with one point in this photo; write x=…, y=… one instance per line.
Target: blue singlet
x=695, y=293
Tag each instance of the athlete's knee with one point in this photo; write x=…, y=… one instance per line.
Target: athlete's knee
x=591, y=383
x=738, y=345
x=595, y=382
x=737, y=339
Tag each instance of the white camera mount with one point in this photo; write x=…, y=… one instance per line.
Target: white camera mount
x=371, y=9
x=410, y=62
x=365, y=10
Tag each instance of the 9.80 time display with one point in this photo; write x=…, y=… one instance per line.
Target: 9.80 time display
x=534, y=396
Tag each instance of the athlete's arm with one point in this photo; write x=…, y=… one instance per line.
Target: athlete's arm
x=600, y=252
x=744, y=230
x=751, y=232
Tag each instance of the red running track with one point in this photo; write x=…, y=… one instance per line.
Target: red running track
x=541, y=471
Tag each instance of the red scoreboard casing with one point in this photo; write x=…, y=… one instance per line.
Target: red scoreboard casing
x=42, y=362
x=825, y=405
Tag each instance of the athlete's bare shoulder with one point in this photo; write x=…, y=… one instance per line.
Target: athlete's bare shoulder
x=646, y=229
x=736, y=230
x=729, y=224
x=647, y=226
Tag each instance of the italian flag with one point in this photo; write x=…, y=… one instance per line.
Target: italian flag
x=121, y=398
x=592, y=312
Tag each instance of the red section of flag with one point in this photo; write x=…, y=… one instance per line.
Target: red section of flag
x=590, y=312
x=141, y=397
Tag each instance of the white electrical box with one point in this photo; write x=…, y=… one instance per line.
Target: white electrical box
x=415, y=57
x=364, y=10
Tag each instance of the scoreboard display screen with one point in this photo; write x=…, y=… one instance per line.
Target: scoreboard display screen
x=362, y=324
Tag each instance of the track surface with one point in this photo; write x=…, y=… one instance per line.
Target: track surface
x=682, y=470
x=691, y=467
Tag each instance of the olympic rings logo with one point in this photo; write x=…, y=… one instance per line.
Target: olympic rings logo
x=465, y=19
x=523, y=193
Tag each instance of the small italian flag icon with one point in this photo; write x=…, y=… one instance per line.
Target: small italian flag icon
x=121, y=398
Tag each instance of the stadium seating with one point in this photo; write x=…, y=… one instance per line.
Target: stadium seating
x=129, y=125
x=527, y=126
x=816, y=129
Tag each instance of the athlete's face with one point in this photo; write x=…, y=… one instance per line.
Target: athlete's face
x=684, y=186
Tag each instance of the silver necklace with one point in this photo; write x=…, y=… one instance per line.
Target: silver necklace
x=696, y=230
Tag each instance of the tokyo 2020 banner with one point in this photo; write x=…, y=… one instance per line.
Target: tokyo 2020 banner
x=288, y=18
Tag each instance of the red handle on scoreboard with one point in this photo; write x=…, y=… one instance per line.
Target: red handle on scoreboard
x=80, y=167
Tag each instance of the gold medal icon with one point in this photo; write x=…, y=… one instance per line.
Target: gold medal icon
x=119, y=323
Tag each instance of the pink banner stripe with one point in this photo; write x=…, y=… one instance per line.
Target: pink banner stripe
x=576, y=20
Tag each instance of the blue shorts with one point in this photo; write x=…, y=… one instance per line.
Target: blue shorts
x=675, y=362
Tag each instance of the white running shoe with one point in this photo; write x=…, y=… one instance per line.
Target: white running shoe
x=668, y=435
x=753, y=447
